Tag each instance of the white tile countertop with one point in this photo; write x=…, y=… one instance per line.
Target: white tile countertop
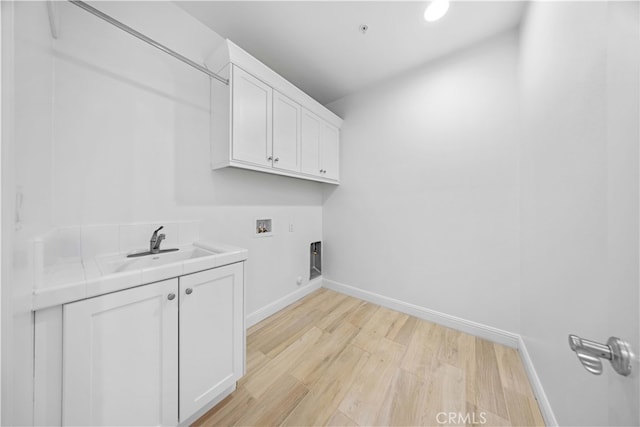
x=86, y=277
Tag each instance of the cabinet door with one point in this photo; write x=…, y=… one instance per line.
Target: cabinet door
x=120, y=358
x=286, y=133
x=311, y=128
x=251, y=118
x=330, y=147
x=211, y=335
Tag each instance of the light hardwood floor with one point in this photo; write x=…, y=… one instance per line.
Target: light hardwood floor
x=330, y=359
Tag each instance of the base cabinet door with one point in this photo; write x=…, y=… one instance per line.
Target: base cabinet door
x=120, y=358
x=211, y=351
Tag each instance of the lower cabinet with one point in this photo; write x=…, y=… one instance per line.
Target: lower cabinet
x=211, y=336
x=154, y=354
x=120, y=358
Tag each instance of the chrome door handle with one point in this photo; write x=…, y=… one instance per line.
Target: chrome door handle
x=270, y=158
x=277, y=159
x=170, y=297
x=590, y=352
x=188, y=291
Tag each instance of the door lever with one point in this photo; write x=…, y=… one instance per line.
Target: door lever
x=590, y=352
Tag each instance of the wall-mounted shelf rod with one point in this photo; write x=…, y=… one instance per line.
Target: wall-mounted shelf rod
x=146, y=39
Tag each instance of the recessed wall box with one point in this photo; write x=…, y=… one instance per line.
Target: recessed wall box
x=315, y=258
x=263, y=227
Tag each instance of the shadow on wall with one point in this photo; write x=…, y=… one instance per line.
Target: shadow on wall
x=197, y=185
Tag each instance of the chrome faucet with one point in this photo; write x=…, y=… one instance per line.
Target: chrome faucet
x=154, y=246
x=156, y=239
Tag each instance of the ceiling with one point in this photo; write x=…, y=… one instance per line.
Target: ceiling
x=318, y=46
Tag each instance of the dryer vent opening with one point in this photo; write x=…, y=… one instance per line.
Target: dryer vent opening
x=315, y=257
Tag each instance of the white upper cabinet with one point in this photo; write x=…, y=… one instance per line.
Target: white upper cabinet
x=252, y=103
x=311, y=130
x=264, y=123
x=320, y=147
x=330, y=149
x=286, y=133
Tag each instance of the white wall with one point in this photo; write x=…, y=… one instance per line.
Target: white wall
x=439, y=187
x=131, y=143
x=2, y=217
x=109, y=130
x=25, y=140
x=139, y=121
x=427, y=207
x=579, y=200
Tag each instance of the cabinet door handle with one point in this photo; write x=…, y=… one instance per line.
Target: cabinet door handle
x=188, y=291
x=170, y=297
x=277, y=159
x=270, y=158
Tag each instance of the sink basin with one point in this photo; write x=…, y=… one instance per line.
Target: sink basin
x=120, y=263
x=73, y=280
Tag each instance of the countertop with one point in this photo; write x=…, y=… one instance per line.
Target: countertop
x=78, y=279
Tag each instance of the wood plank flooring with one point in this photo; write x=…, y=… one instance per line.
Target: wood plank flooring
x=330, y=359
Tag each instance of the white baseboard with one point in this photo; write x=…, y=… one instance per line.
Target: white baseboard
x=281, y=303
x=477, y=329
x=541, y=396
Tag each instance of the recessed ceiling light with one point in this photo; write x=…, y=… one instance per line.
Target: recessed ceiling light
x=436, y=10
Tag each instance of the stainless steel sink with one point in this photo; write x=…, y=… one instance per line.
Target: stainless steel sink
x=146, y=253
x=121, y=263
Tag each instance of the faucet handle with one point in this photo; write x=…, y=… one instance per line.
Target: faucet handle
x=156, y=231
